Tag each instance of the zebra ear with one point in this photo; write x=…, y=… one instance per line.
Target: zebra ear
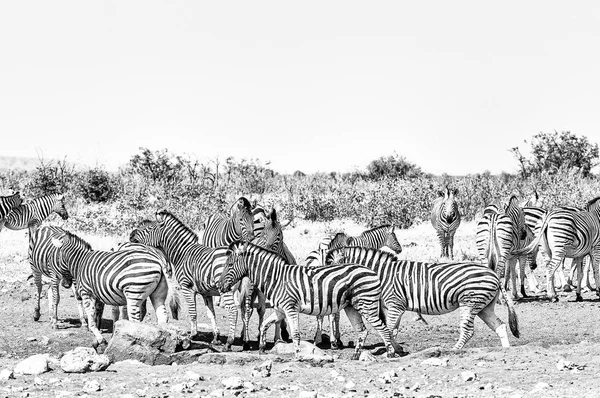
x=273, y=216
x=57, y=242
x=392, y=228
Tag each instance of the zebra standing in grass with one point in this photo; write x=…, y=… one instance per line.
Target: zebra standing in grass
x=197, y=268
x=220, y=230
x=7, y=204
x=32, y=214
x=568, y=233
x=499, y=233
x=44, y=260
x=313, y=291
x=445, y=218
x=434, y=289
x=126, y=277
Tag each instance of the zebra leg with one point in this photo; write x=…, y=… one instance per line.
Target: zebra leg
x=53, y=300
x=522, y=263
x=551, y=266
x=595, y=260
x=245, y=294
x=442, y=238
x=371, y=312
x=89, y=303
x=587, y=271
x=274, y=317
x=334, y=327
x=293, y=318
x=319, y=332
x=451, y=245
x=190, y=298
x=490, y=318
x=210, y=312
x=512, y=270
x=532, y=280
x=37, y=278
x=469, y=307
x=82, y=314
x=577, y=266
x=158, y=298
x=232, y=314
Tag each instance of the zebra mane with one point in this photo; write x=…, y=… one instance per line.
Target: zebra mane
x=513, y=201
x=77, y=239
x=246, y=203
x=170, y=216
x=251, y=247
x=375, y=229
x=383, y=255
x=591, y=203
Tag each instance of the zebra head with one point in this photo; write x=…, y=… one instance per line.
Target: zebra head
x=593, y=205
x=59, y=207
x=449, y=208
x=271, y=236
x=7, y=203
x=68, y=244
x=339, y=240
x=235, y=268
x=391, y=241
x=244, y=219
x=148, y=233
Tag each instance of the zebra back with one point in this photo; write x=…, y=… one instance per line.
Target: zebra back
x=36, y=211
x=221, y=230
x=8, y=203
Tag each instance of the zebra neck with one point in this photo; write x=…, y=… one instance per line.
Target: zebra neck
x=265, y=272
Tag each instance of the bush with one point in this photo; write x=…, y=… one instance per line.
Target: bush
x=96, y=185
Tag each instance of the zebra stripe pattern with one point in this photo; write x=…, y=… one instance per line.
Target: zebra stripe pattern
x=445, y=218
x=7, y=204
x=434, y=289
x=568, y=233
x=221, y=230
x=197, y=268
x=313, y=291
x=43, y=258
x=33, y=213
x=126, y=277
x=375, y=238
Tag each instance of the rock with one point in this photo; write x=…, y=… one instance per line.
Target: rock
x=31, y=339
x=38, y=381
x=263, y=370
x=350, y=386
x=306, y=348
x=307, y=394
x=540, y=386
x=45, y=340
x=233, y=383
x=189, y=375
x=315, y=359
x=141, y=392
x=91, y=386
x=150, y=344
x=217, y=393
x=563, y=364
x=366, y=356
x=34, y=365
x=435, y=362
x=83, y=359
x=467, y=375
x=6, y=374
x=386, y=377
x=249, y=386
x=180, y=388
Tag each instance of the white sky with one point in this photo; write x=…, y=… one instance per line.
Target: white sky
x=311, y=85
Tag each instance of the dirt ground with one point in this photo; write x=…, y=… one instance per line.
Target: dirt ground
x=550, y=332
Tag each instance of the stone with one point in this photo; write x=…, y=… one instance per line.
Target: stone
x=6, y=374
x=540, y=386
x=39, y=381
x=263, y=370
x=45, y=340
x=435, y=362
x=147, y=343
x=467, y=375
x=306, y=348
x=83, y=359
x=189, y=375
x=249, y=386
x=218, y=393
x=33, y=365
x=180, y=388
x=350, y=386
x=233, y=383
x=563, y=364
x=141, y=392
x=386, y=377
x=91, y=386
x=366, y=356
x=307, y=394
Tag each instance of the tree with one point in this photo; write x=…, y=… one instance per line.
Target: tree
x=158, y=166
x=551, y=152
x=393, y=166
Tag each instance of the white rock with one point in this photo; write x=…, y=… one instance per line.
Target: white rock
x=92, y=386
x=232, y=383
x=386, y=377
x=6, y=374
x=340, y=379
x=61, y=394
x=435, y=362
x=39, y=381
x=141, y=392
x=263, y=370
x=334, y=373
x=564, y=364
x=34, y=365
x=366, y=356
x=189, y=375
x=249, y=386
x=467, y=375
x=307, y=394
x=83, y=359
x=540, y=386
x=350, y=386
x=217, y=393
x=179, y=388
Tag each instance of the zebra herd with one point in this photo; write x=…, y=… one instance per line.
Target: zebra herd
x=242, y=258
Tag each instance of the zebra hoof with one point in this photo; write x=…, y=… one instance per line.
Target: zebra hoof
x=216, y=341
x=261, y=350
x=567, y=288
x=227, y=347
x=246, y=346
x=578, y=298
x=554, y=299
x=36, y=315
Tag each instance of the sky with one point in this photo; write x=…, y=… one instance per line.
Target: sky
x=310, y=86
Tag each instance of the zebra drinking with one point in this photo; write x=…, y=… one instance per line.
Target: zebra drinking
x=445, y=218
x=295, y=289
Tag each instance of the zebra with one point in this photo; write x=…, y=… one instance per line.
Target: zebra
x=125, y=277
x=568, y=233
x=434, y=289
x=30, y=215
x=260, y=217
x=220, y=230
x=445, y=218
x=374, y=238
x=314, y=291
x=44, y=260
x=7, y=204
x=498, y=234
x=197, y=268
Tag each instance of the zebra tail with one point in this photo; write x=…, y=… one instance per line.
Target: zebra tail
x=493, y=248
x=174, y=301
x=530, y=248
x=513, y=320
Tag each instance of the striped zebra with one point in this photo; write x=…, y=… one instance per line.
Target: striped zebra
x=220, y=230
x=44, y=260
x=500, y=232
x=126, y=277
x=445, y=218
x=8, y=203
x=260, y=217
x=568, y=233
x=32, y=214
x=295, y=289
x=435, y=289
x=374, y=238
x=197, y=268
